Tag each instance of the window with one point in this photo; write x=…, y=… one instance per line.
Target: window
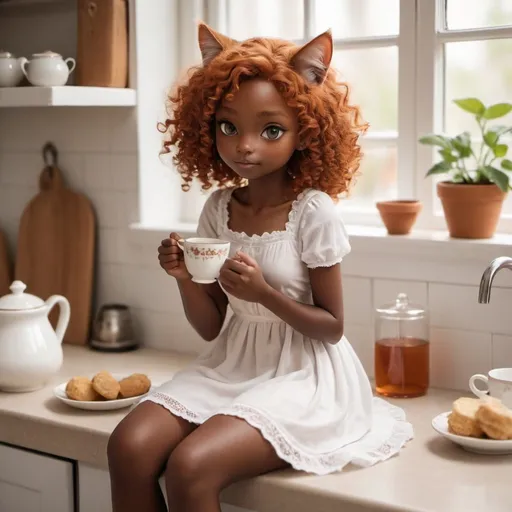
x=406, y=61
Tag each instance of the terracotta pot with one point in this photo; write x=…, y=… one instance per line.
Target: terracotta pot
x=471, y=211
x=399, y=216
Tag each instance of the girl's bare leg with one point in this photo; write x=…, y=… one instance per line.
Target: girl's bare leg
x=138, y=450
x=221, y=451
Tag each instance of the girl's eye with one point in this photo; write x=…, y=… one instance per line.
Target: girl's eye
x=227, y=128
x=272, y=133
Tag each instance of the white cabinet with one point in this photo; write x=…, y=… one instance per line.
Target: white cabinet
x=30, y=481
x=94, y=491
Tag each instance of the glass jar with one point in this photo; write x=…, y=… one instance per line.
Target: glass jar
x=402, y=355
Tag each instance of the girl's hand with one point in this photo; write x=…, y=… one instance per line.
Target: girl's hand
x=241, y=276
x=170, y=257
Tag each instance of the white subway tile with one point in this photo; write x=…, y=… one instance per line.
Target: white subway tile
x=111, y=286
x=168, y=331
x=457, y=307
x=501, y=351
x=97, y=171
x=124, y=174
x=72, y=167
x=122, y=125
x=455, y=355
x=20, y=169
x=110, y=208
x=357, y=300
x=362, y=340
x=385, y=291
x=108, y=246
x=151, y=288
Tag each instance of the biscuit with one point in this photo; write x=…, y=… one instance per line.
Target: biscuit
x=134, y=385
x=106, y=385
x=80, y=388
x=462, y=420
x=495, y=419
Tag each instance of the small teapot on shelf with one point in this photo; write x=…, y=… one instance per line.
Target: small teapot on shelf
x=10, y=70
x=47, y=69
x=30, y=349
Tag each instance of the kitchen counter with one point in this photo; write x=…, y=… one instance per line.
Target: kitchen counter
x=430, y=474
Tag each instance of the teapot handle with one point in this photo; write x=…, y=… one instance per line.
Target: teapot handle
x=64, y=314
x=23, y=64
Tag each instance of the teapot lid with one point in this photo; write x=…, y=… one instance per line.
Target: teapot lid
x=46, y=54
x=6, y=55
x=18, y=300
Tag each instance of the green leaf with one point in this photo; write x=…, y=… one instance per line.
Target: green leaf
x=498, y=177
x=471, y=105
x=500, y=150
x=500, y=129
x=439, y=168
x=497, y=110
x=436, y=140
x=491, y=138
x=462, y=144
x=506, y=164
x=447, y=155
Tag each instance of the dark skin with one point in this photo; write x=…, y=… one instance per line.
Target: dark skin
x=200, y=461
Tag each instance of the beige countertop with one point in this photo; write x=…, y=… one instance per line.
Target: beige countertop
x=430, y=474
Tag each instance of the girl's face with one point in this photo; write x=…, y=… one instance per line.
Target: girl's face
x=256, y=132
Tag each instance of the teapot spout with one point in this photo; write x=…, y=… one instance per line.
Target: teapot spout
x=64, y=314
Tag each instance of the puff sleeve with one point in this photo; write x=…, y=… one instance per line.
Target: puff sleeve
x=209, y=218
x=323, y=238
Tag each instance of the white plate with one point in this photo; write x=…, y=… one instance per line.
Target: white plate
x=471, y=444
x=104, y=405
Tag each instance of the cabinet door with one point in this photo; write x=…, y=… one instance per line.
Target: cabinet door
x=31, y=481
x=94, y=491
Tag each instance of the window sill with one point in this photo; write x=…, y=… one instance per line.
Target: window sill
x=375, y=240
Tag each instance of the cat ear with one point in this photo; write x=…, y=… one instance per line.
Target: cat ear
x=211, y=43
x=313, y=59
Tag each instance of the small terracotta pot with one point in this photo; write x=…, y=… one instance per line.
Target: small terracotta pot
x=399, y=216
x=471, y=211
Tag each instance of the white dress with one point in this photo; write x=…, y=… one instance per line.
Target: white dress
x=310, y=399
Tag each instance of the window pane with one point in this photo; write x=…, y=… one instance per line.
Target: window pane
x=478, y=69
x=265, y=18
x=377, y=180
x=464, y=14
x=358, y=18
x=365, y=68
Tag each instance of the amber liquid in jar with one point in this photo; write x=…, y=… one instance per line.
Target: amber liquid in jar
x=402, y=367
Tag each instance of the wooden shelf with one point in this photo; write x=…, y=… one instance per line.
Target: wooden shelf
x=67, y=96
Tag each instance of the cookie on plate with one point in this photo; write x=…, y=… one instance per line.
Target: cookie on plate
x=462, y=420
x=134, y=385
x=80, y=388
x=105, y=384
x=495, y=419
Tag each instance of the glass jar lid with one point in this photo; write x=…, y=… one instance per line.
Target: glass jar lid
x=401, y=309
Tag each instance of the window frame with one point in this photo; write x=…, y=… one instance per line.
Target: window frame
x=420, y=44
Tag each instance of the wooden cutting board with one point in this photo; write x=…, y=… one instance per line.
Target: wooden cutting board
x=5, y=267
x=55, y=252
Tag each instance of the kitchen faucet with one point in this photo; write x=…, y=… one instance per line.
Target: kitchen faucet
x=484, y=294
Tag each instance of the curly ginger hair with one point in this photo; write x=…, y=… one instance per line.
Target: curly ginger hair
x=329, y=127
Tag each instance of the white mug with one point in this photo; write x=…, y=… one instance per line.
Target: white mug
x=499, y=385
x=204, y=257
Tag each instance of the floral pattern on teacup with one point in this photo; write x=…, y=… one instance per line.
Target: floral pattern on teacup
x=206, y=253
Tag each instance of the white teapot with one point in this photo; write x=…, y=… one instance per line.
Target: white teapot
x=47, y=69
x=30, y=350
x=10, y=70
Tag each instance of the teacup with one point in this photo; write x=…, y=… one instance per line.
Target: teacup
x=499, y=385
x=204, y=257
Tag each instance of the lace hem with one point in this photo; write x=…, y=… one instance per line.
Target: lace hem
x=174, y=406
x=272, y=236
x=298, y=458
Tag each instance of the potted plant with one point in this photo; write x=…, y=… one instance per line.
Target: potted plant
x=473, y=196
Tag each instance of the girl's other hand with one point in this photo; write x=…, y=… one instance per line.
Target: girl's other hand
x=170, y=257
